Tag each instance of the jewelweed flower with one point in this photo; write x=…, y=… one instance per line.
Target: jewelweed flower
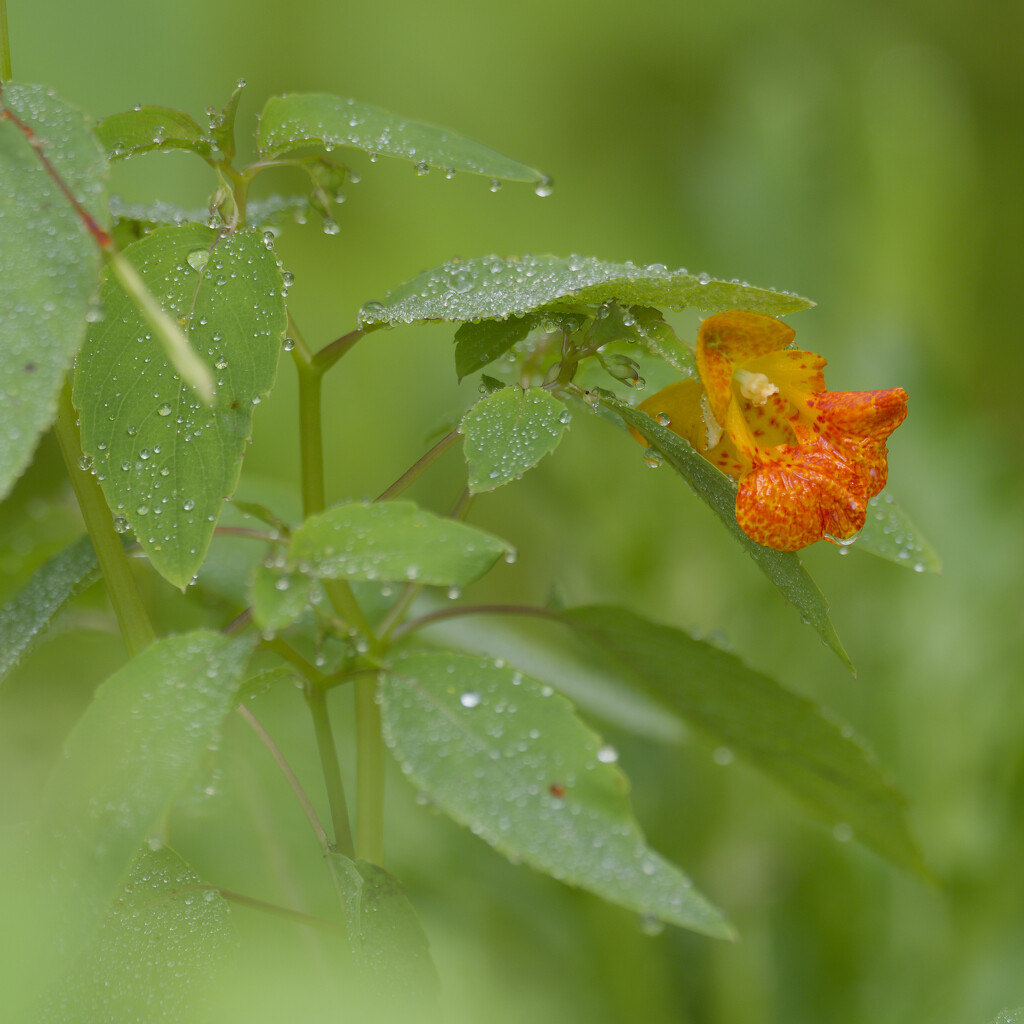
x=807, y=459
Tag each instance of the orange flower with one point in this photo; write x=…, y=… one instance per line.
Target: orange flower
x=806, y=459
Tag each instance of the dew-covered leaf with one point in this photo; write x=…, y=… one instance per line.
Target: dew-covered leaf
x=153, y=954
x=278, y=598
x=495, y=288
x=304, y=119
x=266, y=679
x=889, y=533
x=389, y=946
x=783, y=568
x=786, y=736
x=508, y=432
x=1010, y=1017
x=24, y=618
x=391, y=541
x=49, y=264
x=133, y=220
x=477, y=344
x=149, y=130
x=165, y=461
x=507, y=757
x=131, y=754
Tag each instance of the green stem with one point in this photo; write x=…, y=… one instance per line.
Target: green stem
x=311, y=440
x=347, y=608
x=117, y=571
x=292, y=656
x=316, y=697
x=370, y=769
x=5, y=45
x=414, y=471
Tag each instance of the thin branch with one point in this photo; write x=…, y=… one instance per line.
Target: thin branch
x=238, y=623
x=472, y=609
x=290, y=776
x=272, y=908
x=413, y=472
x=330, y=354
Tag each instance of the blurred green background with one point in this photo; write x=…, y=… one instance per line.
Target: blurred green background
x=864, y=154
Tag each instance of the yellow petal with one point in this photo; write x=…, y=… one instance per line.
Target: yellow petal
x=727, y=341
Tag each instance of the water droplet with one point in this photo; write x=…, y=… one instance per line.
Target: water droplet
x=544, y=187
x=282, y=583
x=607, y=754
x=131, y=430
x=653, y=459
x=495, y=185
x=331, y=226
x=723, y=756
x=469, y=699
x=164, y=410
x=142, y=510
x=454, y=593
x=842, y=832
x=198, y=258
x=120, y=524
x=85, y=463
x=188, y=504
x=421, y=167
x=288, y=344
x=651, y=925
x=269, y=238
x=565, y=417
x=662, y=419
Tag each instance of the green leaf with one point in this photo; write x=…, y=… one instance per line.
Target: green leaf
x=165, y=461
x=495, y=288
x=303, y=119
x=388, y=943
x=1010, y=1017
x=131, y=754
x=784, y=735
x=783, y=568
x=278, y=598
x=477, y=344
x=392, y=541
x=151, y=130
x=24, y=618
x=49, y=264
x=889, y=533
x=509, y=432
x=267, y=678
x=508, y=757
x=154, y=953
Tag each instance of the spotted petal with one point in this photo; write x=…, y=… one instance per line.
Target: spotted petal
x=801, y=495
x=728, y=340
